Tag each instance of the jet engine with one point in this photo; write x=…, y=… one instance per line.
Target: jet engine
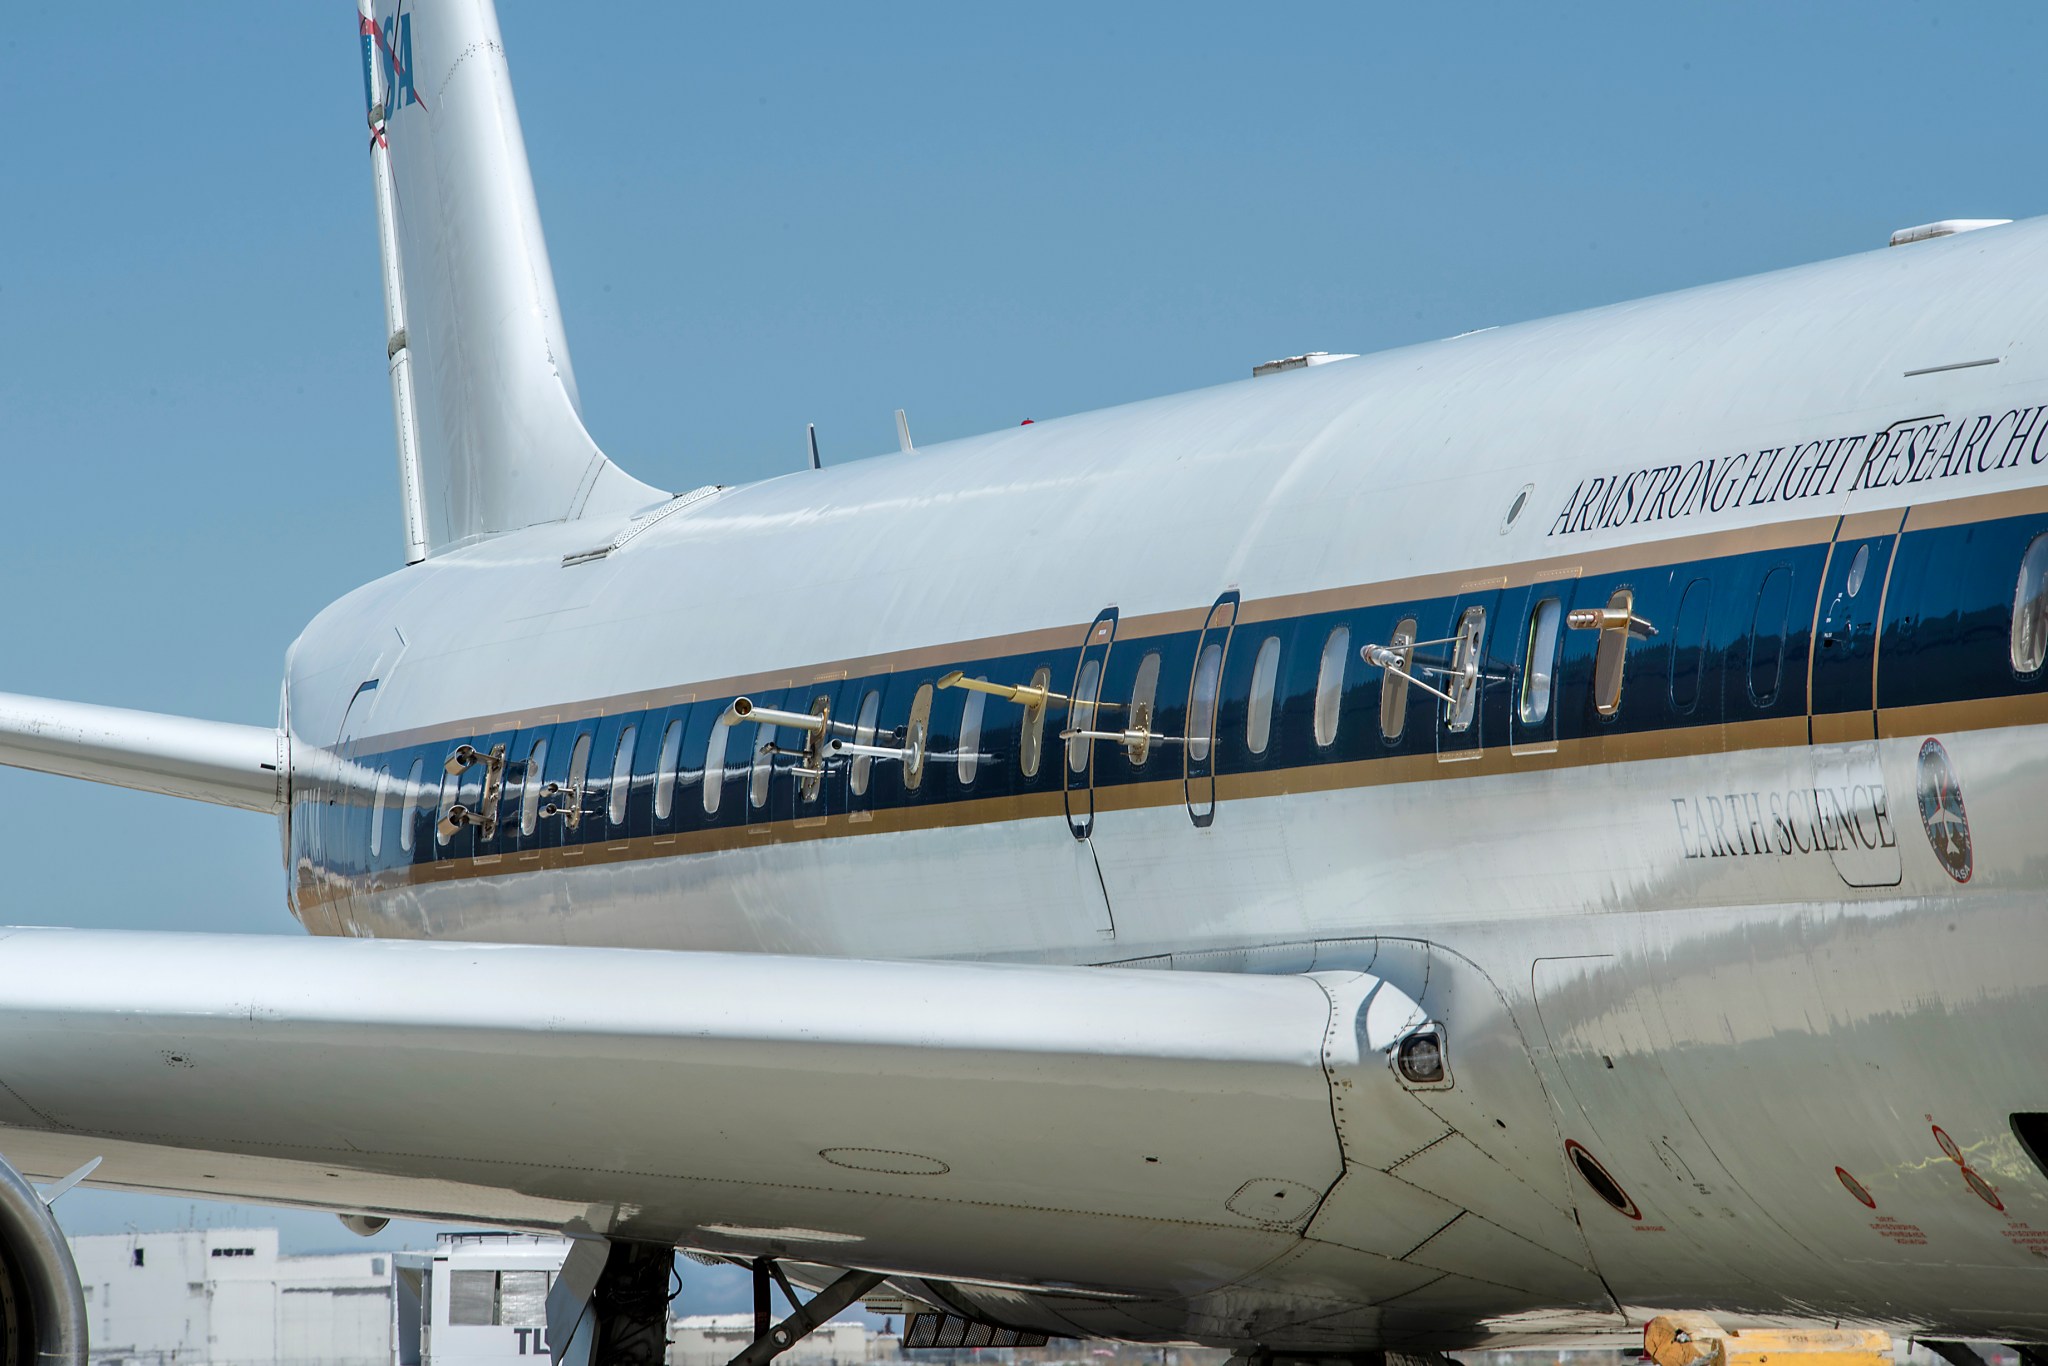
x=42, y=1309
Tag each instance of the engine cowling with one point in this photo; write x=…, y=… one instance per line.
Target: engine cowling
x=42, y=1308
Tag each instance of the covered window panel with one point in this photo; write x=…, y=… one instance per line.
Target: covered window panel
x=1767, y=636
x=1330, y=684
x=472, y=1298
x=2030, y=608
x=1258, y=712
x=1031, y=738
x=415, y=796
x=377, y=810
x=917, y=734
x=450, y=782
x=622, y=775
x=714, y=765
x=763, y=773
x=668, y=769
x=864, y=734
x=1144, y=698
x=1466, y=659
x=532, y=784
x=1202, y=701
x=1087, y=686
x=970, y=734
x=1539, y=661
x=1393, y=686
x=579, y=769
x=1689, y=645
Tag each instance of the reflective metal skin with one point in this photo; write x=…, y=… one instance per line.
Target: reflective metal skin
x=1526, y=832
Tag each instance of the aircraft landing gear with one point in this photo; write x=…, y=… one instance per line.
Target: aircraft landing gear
x=772, y=1340
x=609, y=1306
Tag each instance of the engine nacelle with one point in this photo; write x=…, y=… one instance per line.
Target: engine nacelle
x=42, y=1309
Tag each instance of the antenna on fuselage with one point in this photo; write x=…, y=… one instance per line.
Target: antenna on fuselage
x=811, y=428
x=903, y=431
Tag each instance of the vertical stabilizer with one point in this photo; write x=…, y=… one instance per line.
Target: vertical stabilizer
x=496, y=432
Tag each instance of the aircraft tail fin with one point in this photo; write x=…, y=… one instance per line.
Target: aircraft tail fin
x=494, y=439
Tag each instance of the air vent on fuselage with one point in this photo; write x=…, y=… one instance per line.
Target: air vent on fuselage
x=1947, y=227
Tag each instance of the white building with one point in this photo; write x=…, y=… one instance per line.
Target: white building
x=715, y=1339
x=224, y=1297
x=478, y=1299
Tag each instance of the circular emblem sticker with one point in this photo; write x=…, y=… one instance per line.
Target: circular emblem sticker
x=1941, y=811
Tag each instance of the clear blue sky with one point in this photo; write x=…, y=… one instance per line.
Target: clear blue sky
x=767, y=215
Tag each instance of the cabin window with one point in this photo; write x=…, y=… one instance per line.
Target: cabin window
x=969, y=759
x=917, y=736
x=1258, y=714
x=1031, y=738
x=1767, y=636
x=763, y=772
x=1611, y=658
x=579, y=771
x=2030, y=608
x=1202, y=701
x=1539, y=662
x=443, y=832
x=667, y=769
x=622, y=774
x=377, y=811
x=1330, y=684
x=714, y=764
x=532, y=785
x=1689, y=645
x=1144, y=694
x=1081, y=714
x=415, y=798
x=1858, y=567
x=864, y=734
x=1394, y=686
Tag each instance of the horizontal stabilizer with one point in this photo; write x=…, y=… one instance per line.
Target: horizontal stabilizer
x=208, y=761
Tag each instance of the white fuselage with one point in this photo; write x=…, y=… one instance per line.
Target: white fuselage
x=1737, y=955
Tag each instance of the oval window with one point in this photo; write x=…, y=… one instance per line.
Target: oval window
x=864, y=734
x=531, y=783
x=2030, y=608
x=763, y=772
x=969, y=760
x=622, y=774
x=1689, y=645
x=1202, y=701
x=1258, y=713
x=1858, y=567
x=1087, y=685
x=1611, y=659
x=1330, y=684
x=667, y=769
x=1031, y=739
x=1767, y=636
x=1144, y=692
x=715, y=746
x=1539, y=662
x=415, y=797
x=377, y=810
x=1394, y=686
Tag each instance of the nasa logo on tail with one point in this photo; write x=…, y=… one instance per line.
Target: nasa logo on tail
x=1941, y=811
x=388, y=47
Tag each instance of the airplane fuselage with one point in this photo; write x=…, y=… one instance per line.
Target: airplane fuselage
x=1747, y=877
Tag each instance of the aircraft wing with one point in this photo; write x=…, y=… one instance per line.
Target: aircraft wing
x=1024, y=1121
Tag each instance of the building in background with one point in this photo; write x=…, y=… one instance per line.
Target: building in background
x=225, y=1297
x=476, y=1299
